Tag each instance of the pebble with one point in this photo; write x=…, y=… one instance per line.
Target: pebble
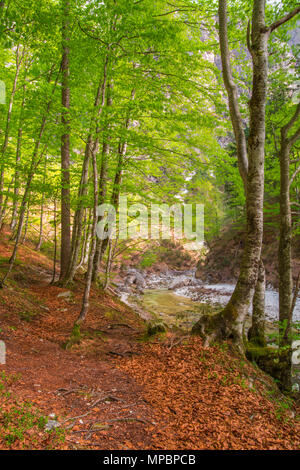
x=52, y=424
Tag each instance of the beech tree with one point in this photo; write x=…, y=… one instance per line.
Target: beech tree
x=65, y=251
x=230, y=322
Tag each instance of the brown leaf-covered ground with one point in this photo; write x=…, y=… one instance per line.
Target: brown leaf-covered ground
x=116, y=391
x=211, y=399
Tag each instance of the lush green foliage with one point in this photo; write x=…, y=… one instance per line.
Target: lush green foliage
x=179, y=141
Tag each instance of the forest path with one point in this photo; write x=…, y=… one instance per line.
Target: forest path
x=36, y=321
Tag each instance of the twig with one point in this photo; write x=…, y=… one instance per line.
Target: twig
x=63, y=392
x=77, y=417
x=115, y=325
x=177, y=342
x=108, y=397
x=129, y=418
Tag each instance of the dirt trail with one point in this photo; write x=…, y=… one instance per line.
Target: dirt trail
x=36, y=322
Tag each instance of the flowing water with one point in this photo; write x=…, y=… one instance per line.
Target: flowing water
x=220, y=293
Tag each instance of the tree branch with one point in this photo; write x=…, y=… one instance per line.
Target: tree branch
x=284, y=19
x=232, y=93
x=294, y=175
x=285, y=129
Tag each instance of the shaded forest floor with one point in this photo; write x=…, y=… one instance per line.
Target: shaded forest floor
x=116, y=389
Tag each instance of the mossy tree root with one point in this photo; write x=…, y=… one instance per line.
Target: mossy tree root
x=275, y=362
x=75, y=336
x=221, y=326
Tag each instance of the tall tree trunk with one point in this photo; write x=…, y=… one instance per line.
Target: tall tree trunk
x=102, y=184
x=237, y=308
x=86, y=295
x=5, y=203
x=230, y=322
x=102, y=244
x=26, y=221
x=65, y=145
x=18, y=156
x=258, y=313
x=82, y=192
x=55, y=243
x=102, y=196
x=87, y=237
x=19, y=59
x=284, y=252
x=40, y=240
x=18, y=159
x=84, y=239
x=256, y=333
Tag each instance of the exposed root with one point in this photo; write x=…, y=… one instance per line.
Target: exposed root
x=275, y=362
x=221, y=326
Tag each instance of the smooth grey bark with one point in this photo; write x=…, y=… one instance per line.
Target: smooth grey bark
x=232, y=93
x=103, y=244
x=85, y=248
x=237, y=308
x=102, y=196
x=103, y=182
x=26, y=221
x=84, y=240
x=77, y=225
x=112, y=245
x=122, y=148
x=256, y=333
x=5, y=203
x=285, y=238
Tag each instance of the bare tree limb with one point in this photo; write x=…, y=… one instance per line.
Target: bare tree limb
x=285, y=129
x=232, y=93
x=295, y=173
x=284, y=19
